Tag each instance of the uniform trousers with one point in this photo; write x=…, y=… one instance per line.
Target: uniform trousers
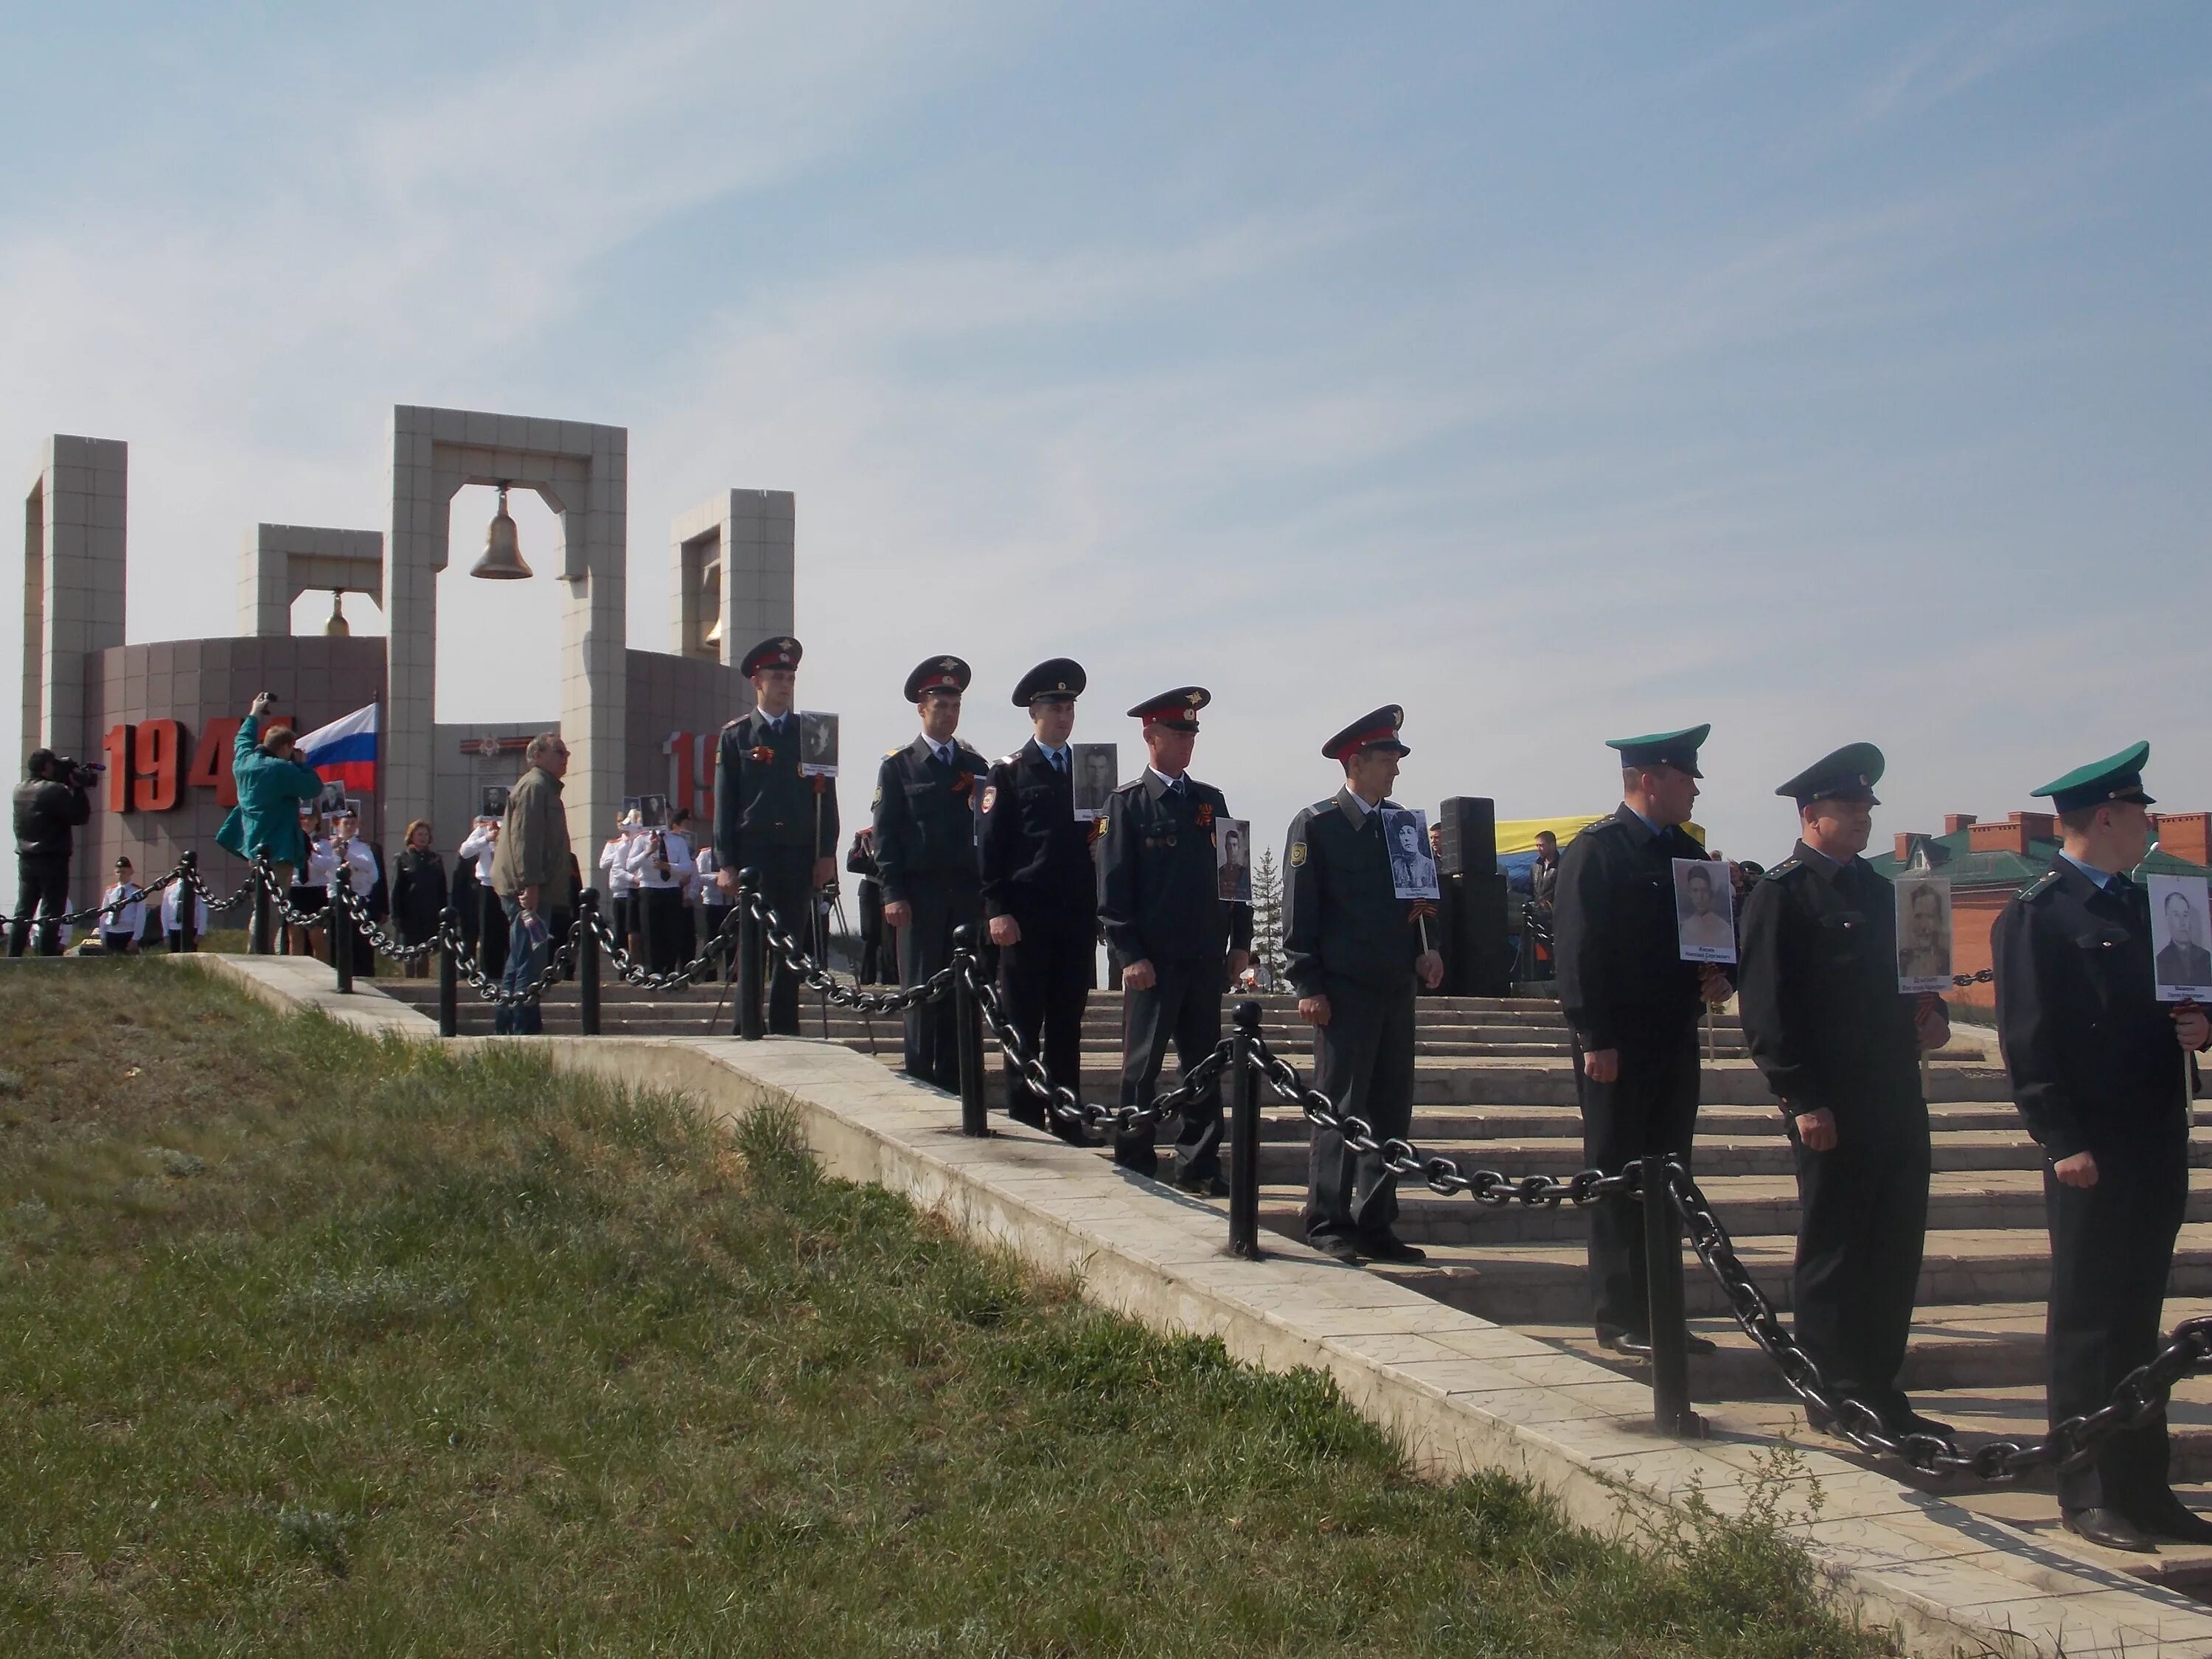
x=2111, y=1248
x=1651, y=1108
x=1044, y=981
x=491, y=935
x=666, y=929
x=1183, y=1006
x=787, y=879
x=925, y=944
x=41, y=886
x=711, y=917
x=1864, y=1221
x=1364, y=1061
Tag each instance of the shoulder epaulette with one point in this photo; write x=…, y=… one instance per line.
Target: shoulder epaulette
x=1320, y=806
x=964, y=746
x=893, y=753
x=731, y=725
x=1776, y=872
x=1007, y=760
x=2036, y=888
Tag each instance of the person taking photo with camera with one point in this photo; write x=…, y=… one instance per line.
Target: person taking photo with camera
x=51, y=801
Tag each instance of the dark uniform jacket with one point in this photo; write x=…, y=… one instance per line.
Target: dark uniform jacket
x=1342, y=918
x=1821, y=1010
x=925, y=815
x=764, y=802
x=2090, y=1049
x=45, y=812
x=1034, y=855
x=1612, y=927
x=1159, y=880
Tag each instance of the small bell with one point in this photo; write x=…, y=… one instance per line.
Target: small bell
x=336, y=627
x=502, y=555
x=710, y=603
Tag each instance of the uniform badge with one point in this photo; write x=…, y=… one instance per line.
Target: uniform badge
x=990, y=796
x=1298, y=854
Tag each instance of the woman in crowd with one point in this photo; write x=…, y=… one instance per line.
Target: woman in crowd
x=418, y=894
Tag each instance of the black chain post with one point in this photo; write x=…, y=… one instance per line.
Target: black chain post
x=1662, y=1269
x=967, y=1032
x=1245, y=1135
x=258, y=939
x=586, y=933
x=752, y=959
x=449, y=978
x=188, y=903
x=341, y=932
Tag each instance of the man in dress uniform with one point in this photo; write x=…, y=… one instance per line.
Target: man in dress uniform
x=925, y=857
x=1632, y=1006
x=1041, y=888
x=1354, y=950
x=768, y=818
x=1840, y=1047
x=1177, y=945
x=2100, y=1072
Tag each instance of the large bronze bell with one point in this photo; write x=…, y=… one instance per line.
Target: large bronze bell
x=336, y=628
x=502, y=555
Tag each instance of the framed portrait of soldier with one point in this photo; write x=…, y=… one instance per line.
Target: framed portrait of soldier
x=1097, y=770
x=1232, y=859
x=1413, y=863
x=1924, y=933
x=817, y=743
x=332, y=799
x=1704, y=911
x=491, y=803
x=2180, y=939
x=652, y=811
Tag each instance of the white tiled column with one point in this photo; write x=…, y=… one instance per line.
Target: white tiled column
x=75, y=526
x=414, y=554
x=280, y=561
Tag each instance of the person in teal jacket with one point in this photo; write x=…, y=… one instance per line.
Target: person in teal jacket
x=270, y=787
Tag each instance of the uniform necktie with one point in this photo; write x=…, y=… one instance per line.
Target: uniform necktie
x=1176, y=784
x=1059, y=760
x=944, y=753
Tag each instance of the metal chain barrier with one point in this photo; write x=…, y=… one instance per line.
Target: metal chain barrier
x=632, y=972
x=816, y=978
x=80, y=918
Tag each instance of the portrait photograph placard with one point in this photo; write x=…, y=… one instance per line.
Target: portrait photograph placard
x=1413, y=864
x=1704, y=911
x=491, y=803
x=818, y=744
x=1097, y=766
x=1232, y=859
x=2180, y=939
x=1924, y=933
x=332, y=799
x=652, y=811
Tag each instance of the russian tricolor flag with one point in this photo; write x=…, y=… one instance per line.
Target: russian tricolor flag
x=344, y=751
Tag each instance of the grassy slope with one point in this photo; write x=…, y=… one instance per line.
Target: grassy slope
x=319, y=1346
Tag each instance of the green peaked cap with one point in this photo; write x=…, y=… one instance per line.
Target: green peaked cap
x=1675, y=748
x=2116, y=777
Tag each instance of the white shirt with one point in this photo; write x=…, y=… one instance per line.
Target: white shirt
x=131, y=918
x=704, y=867
x=645, y=865
x=360, y=862
x=171, y=910
x=614, y=858
x=483, y=842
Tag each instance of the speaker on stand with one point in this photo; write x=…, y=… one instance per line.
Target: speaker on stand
x=1478, y=954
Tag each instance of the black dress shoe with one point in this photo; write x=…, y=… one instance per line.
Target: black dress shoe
x=1207, y=1186
x=2109, y=1528
x=2175, y=1520
x=1694, y=1344
x=1338, y=1246
x=1634, y=1345
x=1388, y=1247
x=1909, y=1421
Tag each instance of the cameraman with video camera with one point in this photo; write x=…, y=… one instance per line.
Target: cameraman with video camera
x=50, y=802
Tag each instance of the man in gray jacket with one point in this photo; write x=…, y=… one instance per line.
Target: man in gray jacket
x=531, y=858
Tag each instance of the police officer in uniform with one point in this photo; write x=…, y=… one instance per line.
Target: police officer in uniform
x=2100, y=1072
x=1177, y=945
x=1840, y=1047
x=770, y=819
x=1354, y=950
x=1041, y=888
x=925, y=857
x=1633, y=1006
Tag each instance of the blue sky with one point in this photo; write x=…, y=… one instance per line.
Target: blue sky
x=1557, y=371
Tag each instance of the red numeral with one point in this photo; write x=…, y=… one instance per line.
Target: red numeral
x=211, y=759
x=157, y=755
x=116, y=745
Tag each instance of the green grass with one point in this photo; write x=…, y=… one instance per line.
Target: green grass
x=319, y=1345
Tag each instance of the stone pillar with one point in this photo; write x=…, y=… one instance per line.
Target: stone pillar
x=746, y=537
x=75, y=523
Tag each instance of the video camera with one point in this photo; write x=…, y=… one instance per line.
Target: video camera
x=77, y=774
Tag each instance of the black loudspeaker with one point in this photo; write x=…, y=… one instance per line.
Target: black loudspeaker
x=1470, y=827
x=1479, y=961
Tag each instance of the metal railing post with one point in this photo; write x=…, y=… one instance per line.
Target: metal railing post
x=1663, y=1267
x=751, y=959
x=257, y=940
x=188, y=904
x=587, y=961
x=967, y=1032
x=341, y=933
x=1244, y=1134
x=449, y=979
